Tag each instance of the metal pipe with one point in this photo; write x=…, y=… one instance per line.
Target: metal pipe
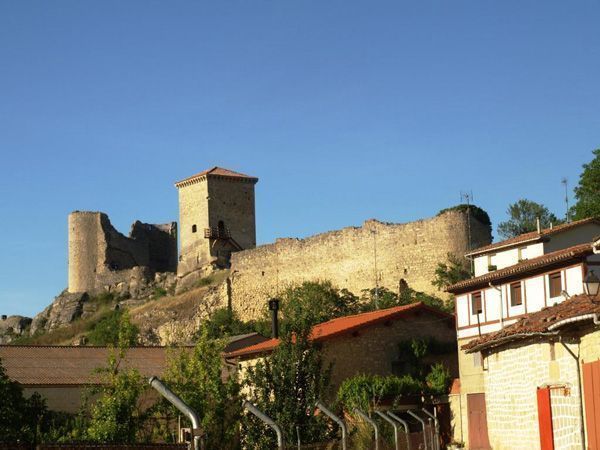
x=266, y=419
x=436, y=424
x=180, y=405
x=337, y=420
x=422, y=425
x=499, y=289
x=581, y=418
x=405, y=425
x=392, y=423
x=274, y=308
x=367, y=419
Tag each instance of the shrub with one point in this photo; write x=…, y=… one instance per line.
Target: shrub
x=367, y=391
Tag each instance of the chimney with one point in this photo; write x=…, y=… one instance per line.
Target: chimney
x=539, y=226
x=274, y=308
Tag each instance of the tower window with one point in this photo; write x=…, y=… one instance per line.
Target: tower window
x=194, y=228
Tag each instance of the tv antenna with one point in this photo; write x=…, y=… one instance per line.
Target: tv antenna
x=565, y=181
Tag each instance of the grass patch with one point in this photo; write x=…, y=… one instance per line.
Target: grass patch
x=159, y=292
x=206, y=281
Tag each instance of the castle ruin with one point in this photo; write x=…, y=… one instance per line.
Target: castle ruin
x=217, y=230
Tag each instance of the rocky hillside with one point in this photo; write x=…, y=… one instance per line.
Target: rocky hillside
x=162, y=316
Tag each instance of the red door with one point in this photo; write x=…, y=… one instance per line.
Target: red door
x=545, y=419
x=478, y=432
x=591, y=392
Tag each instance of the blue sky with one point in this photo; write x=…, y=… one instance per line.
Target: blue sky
x=345, y=110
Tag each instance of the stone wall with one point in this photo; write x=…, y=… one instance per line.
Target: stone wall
x=352, y=257
x=100, y=256
x=373, y=350
x=511, y=381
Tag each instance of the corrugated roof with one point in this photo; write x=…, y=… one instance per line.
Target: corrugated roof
x=73, y=365
x=531, y=236
x=343, y=325
x=216, y=171
x=535, y=323
x=528, y=266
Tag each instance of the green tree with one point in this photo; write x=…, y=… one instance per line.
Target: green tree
x=317, y=302
x=197, y=377
x=523, y=217
x=287, y=384
x=21, y=419
x=116, y=416
x=450, y=272
x=587, y=192
x=106, y=331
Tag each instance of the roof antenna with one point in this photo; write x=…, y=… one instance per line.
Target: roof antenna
x=566, y=183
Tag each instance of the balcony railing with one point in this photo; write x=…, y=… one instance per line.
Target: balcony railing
x=217, y=233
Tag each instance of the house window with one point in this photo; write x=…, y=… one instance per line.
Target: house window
x=476, y=303
x=194, y=228
x=515, y=294
x=522, y=253
x=477, y=359
x=555, y=284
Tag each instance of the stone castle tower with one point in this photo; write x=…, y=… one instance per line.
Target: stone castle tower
x=216, y=218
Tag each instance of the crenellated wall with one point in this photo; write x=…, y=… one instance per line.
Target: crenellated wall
x=352, y=257
x=99, y=255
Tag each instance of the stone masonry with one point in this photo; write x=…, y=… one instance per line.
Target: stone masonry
x=353, y=257
x=100, y=256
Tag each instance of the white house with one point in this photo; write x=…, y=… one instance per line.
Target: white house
x=513, y=278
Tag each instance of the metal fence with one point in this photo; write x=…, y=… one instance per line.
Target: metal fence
x=84, y=446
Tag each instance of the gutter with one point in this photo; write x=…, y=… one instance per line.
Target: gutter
x=511, y=337
x=499, y=289
x=581, y=318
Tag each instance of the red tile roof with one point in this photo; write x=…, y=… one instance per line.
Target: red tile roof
x=344, y=325
x=538, y=323
x=216, y=171
x=557, y=258
x=532, y=236
x=73, y=365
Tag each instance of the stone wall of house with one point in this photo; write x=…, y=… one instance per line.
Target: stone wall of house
x=353, y=258
x=100, y=256
x=375, y=349
x=511, y=380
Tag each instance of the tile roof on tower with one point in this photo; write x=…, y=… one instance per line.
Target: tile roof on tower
x=216, y=171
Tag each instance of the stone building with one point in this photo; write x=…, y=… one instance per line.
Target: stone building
x=101, y=257
x=367, y=343
x=542, y=378
x=513, y=278
x=216, y=218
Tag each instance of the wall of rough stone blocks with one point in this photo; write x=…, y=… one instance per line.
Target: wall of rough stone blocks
x=346, y=257
x=99, y=255
x=373, y=350
x=511, y=380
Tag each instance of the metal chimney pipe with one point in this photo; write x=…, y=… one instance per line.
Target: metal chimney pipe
x=274, y=308
x=180, y=405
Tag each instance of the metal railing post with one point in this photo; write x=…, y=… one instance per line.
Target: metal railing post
x=180, y=405
x=266, y=419
x=337, y=420
x=392, y=423
x=367, y=419
x=422, y=424
x=436, y=444
x=405, y=425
